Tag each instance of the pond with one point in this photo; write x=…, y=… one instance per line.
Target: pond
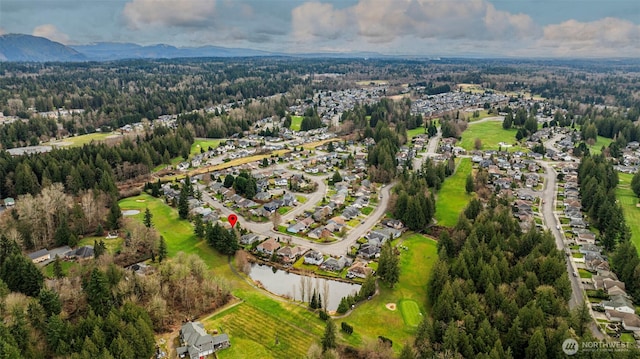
x=290, y=285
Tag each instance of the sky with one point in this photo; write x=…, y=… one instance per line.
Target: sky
x=431, y=28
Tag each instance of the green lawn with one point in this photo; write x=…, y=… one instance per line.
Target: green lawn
x=597, y=147
x=371, y=318
x=584, y=273
x=283, y=210
x=628, y=201
x=66, y=266
x=204, y=143
x=296, y=123
x=416, y=131
x=452, y=198
x=483, y=114
x=490, y=133
x=78, y=141
x=410, y=312
x=627, y=338
x=113, y=245
x=367, y=210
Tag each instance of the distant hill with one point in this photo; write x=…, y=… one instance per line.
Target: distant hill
x=20, y=47
x=104, y=51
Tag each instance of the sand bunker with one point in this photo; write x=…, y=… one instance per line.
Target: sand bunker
x=130, y=212
x=391, y=306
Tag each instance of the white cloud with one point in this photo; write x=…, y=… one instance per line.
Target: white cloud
x=604, y=37
x=180, y=13
x=385, y=20
x=317, y=20
x=52, y=33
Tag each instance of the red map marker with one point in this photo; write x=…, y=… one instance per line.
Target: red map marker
x=232, y=219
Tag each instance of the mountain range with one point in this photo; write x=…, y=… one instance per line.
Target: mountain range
x=21, y=47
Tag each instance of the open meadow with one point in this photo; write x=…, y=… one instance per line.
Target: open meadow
x=596, y=148
x=628, y=201
x=77, y=141
x=296, y=123
x=448, y=211
x=490, y=134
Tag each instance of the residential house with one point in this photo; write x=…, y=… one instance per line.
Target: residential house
x=630, y=321
x=335, y=265
x=263, y=196
x=313, y=257
x=350, y=212
x=84, y=252
x=197, y=344
x=619, y=303
x=297, y=227
x=368, y=251
x=268, y=247
x=393, y=223
x=289, y=200
x=249, y=239
x=359, y=270
x=40, y=256
x=290, y=254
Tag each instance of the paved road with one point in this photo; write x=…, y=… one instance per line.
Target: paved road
x=552, y=222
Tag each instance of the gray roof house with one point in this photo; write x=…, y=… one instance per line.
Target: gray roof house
x=39, y=256
x=196, y=343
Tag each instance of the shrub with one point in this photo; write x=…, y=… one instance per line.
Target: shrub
x=347, y=328
x=323, y=315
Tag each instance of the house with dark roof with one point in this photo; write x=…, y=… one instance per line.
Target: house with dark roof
x=197, y=344
x=40, y=256
x=84, y=252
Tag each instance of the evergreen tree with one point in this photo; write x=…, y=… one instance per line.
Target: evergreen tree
x=183, y=202
x=388, y=265
x=148, y=218
x=536, y=348
x=58, y=272
x=21, y=275
x=198, y=227
x=162, y=250
x=329, y=338
x=113, y=219
x=635, y=184
x=50, y=302
x=99, y=248
x=98, y=293
x=63, y=233
x=469, y=185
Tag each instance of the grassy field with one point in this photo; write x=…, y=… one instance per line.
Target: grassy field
x=410, y=312
x=113, y=245
x=628, y=201
x=78, y=141
x=204, y=143
x=296, y=123
x=416, y=131
x=597, y=147
x=482, y=114
x=490, y=133
x=371, y=318
x=452, y=198
x=66, y=266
